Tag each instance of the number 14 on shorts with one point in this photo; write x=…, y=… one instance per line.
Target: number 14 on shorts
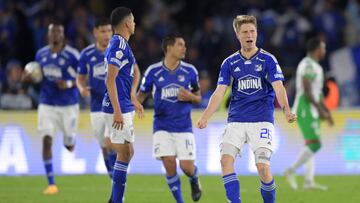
x=266, y=133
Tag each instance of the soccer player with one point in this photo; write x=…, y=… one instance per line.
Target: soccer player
x=175, y=87
x=58, y=102
x=91, y=66
x=310, y=107
x=119, y=102
x=256, y=78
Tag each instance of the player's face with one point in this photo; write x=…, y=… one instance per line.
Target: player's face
x=322, y=50
x=247, y=35
x=55, y=34
x=131, y=24
x=103, y=34
x=178, y=50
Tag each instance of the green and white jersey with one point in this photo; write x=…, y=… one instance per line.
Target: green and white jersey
x=312, y=70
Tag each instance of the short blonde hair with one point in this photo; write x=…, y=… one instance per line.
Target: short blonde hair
x=243, y=19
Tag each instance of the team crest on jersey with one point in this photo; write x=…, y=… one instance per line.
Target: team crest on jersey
x=258, y=67
x=44, y=59
x=249, y=84
x=61, y=61
x=170, y=92
x=181, y=78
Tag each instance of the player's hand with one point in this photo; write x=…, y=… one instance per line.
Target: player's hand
x=290, y=116
x=118, y=122
x=201, y=123
x=139, y=109
x=26, y=77
x=64, y=84
x=85, y=92
x=184, y=95
x=324, y=114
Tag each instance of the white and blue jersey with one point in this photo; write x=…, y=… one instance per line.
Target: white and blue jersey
x=58, y=66
x=170, y=114
x=92, y=63
x=119, y=54
x=252, y=98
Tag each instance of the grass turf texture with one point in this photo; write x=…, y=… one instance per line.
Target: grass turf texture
x=153, y=189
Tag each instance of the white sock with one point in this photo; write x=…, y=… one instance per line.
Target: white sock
x=310, y=170
x=304, y=156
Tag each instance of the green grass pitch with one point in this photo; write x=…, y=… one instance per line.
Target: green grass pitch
x=153, y=189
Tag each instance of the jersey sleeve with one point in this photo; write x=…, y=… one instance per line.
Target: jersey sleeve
x=194, y=81
x=74, y=62
x=118, y=54
x=309, y=72
x=146, y=82
x=224, y=75
x=274, y=70
x=82, y=68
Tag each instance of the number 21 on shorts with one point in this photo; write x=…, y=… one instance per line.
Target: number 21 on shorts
x=266, y=133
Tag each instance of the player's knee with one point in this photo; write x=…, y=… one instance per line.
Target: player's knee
x=262, y=155
x=187, y=167
x=314, y=147
x=226, y=161
x=264, y=172
x=47, y=141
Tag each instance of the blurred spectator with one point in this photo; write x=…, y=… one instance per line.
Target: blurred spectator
x=15, y=94
x=205, y=89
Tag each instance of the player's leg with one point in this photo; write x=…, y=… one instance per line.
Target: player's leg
x=164, y=148
x=99, y=128
x=260, y=137
x=122, y=143
x=69, y=124
x=46, y=127
x=232, y=141
x=186, y=153
x=310, y=129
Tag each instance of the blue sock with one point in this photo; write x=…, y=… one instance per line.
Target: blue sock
x=49, y=171
x=119, y=181
x=268, y=191
x=232, y=187
x=175, y=187
x=112, y=158
x=194, y=177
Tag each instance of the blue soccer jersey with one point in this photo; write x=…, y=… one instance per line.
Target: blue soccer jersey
x=170, y=114
x=252, y=98
x=119, y=54
x=58, y=66
x=92, y=63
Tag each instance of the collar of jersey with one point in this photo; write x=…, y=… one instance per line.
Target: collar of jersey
x=121, y=37
x=167, y=69
x=252, y=57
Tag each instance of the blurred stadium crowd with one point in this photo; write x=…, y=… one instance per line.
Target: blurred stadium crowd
x=283, y=28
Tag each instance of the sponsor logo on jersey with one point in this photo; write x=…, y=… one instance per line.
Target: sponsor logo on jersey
x=161, y=79
x=249, y=84
x=61, y=61
x=93, y=59
x=237, y=69
x=99, y=71
x=52, y=71
x=170, y=92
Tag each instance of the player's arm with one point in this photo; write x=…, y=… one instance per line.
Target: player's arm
x=185, y=95
x=81, y=85
x=214, y=103
x=112, y=91
x=141, y=96
x=137, y=105
x=281, y=97
x=320, y=106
